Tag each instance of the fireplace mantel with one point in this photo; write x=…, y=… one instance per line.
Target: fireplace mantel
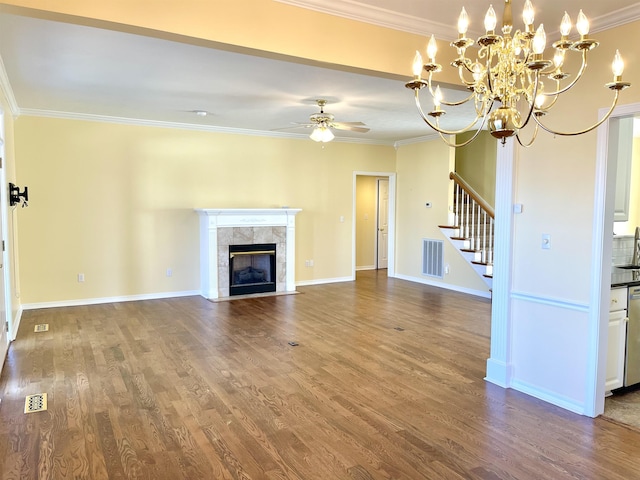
x=218, y=224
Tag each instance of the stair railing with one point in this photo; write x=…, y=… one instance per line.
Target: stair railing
x=474, y=218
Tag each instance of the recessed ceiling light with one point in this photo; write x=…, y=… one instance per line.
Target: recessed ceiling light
x=201, y=113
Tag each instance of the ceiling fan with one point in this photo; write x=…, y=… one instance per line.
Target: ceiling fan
x=322, y=123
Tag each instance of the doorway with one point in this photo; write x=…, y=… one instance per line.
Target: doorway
x=374, y=221
x=604, y=214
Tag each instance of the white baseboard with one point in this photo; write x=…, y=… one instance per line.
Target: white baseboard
x=97, y=301
x=366, y=267
x=322, y=281
x=446, y=286
x=15, y=325
x=549, y=397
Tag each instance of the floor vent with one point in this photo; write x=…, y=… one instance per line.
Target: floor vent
x=35, y=403
x=400, y=329
x=43, y=327
x=433, y=258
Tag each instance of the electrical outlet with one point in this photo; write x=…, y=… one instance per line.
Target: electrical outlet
x=169, y=272
x=546, y=241
x=80, y=277
x=311, y=263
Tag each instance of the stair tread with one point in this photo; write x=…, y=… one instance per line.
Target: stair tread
x=448, y=226
x=475, y=262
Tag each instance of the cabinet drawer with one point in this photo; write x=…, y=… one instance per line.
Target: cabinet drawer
x=618, y=299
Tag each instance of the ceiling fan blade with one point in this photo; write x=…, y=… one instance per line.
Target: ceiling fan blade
x=351, y=126
x=295, y=125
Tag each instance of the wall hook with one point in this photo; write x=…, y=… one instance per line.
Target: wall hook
x=15, y=195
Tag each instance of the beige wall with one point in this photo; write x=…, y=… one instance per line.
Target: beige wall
x=476, y=164
x=116, y=202
x=556, y=179
x=423, y=176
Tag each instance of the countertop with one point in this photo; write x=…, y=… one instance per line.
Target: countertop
x=621, y=277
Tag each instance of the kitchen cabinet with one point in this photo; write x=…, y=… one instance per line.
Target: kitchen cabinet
x=616, y=339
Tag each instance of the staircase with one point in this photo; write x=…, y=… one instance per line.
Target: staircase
x=471, y=228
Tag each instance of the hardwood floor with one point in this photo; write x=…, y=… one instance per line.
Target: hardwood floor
x=386, y=382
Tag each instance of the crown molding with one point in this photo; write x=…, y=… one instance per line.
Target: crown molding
x=616, y=19
x=381, y=17
x=411, y=141
x=7, y=91
x=30, y=112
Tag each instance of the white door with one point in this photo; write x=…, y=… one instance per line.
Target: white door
x=383, y=223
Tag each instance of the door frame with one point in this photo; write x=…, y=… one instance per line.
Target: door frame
x=6, y=270
x=601, y=266
x=391, y=270
x=377, y=239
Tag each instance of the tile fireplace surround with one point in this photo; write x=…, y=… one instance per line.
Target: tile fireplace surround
x=220, y=228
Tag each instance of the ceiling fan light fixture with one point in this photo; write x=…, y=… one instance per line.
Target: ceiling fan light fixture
x=322, y=134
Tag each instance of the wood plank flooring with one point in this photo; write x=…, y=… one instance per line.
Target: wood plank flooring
x=386, y=383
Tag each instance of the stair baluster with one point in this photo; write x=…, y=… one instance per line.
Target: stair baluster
x=473, y=227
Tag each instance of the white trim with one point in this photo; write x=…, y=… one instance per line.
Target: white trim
x=423, y=138
x=98, y=301
x=15, y=325
x=361, y=12
x=550, y=397
x=391, y=263
x=553, y=302
x=366, y=267
x=322, y=281
x=188, y=126
x=5, y=86
x=600, y=274
x=615, y=19
x=373, y=15
x=499, y=364
x=446, y=286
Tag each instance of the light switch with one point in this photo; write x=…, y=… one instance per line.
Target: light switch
x=546, y=241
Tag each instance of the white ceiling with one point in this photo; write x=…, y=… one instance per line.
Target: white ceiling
x=76, y=71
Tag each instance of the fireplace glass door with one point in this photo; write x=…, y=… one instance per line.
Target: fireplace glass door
x=252, y=268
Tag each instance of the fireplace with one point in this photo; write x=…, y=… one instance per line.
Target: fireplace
x=220, y=229
x=252, y=268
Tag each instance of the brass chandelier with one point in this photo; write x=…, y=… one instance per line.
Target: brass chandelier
x=507, y=78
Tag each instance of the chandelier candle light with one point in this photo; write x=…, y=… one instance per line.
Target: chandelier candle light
x=508, y=74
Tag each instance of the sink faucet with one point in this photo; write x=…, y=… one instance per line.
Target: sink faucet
x=636, y=248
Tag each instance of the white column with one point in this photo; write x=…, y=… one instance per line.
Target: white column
x=499, y=367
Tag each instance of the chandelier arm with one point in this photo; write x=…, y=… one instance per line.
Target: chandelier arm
x=583, y=67
x=457, y=145
x=436, y=126
x=458, y=103
x=531, y=104
x=461, y=75
x=444, y=102
x=488, y=74
x=526, y=145
x=592, y=127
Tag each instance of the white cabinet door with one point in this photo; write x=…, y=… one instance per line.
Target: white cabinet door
x=615, y=350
